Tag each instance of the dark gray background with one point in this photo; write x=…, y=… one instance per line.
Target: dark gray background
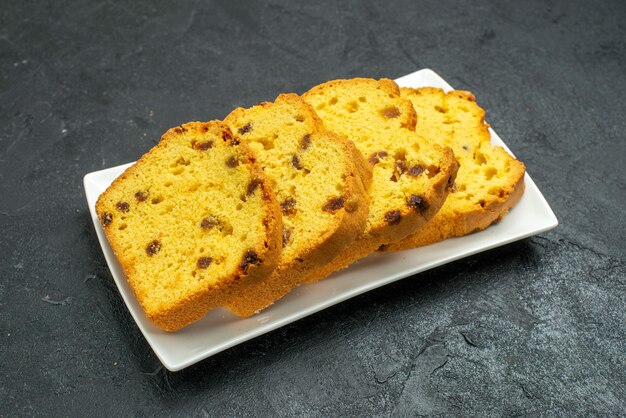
x=536, y=327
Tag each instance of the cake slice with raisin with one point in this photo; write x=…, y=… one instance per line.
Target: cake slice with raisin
x=489, y=182
x=412, y=174
x=191, y=222
x=321, y=182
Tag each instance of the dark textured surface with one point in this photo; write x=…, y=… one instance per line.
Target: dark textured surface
x=536, y=327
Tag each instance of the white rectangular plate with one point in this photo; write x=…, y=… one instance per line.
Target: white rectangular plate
x=220, y=330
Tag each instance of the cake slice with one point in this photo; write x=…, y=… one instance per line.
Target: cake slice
x=192, y=221
x=489, y=182
x=412, y=174
x=321, y=183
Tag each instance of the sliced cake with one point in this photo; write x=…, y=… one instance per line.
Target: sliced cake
x=191, y=222
x=489, y=181
x=321, y=182
x=412, y=174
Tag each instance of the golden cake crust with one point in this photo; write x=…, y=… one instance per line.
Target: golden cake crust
x=490, y=181
x=134, y=204
x=321, y=181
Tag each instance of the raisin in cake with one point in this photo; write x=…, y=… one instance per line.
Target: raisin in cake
x=411, y=174
x=193, y=220
x=489, y=182
x=321, y=182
